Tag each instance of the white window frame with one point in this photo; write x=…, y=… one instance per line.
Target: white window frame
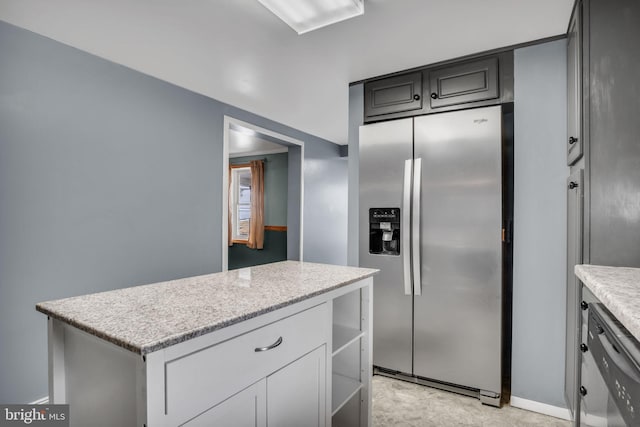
x=236, y=205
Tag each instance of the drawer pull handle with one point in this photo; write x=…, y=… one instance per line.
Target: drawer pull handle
x=272, y=346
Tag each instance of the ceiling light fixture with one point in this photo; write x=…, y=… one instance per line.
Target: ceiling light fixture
x=308, y=15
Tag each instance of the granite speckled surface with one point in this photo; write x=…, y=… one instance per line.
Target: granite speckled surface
x=618, y=288
x=147, y=318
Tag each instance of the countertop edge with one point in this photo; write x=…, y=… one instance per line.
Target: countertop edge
x=617, y=305
x=71, y=322
x=146, y=348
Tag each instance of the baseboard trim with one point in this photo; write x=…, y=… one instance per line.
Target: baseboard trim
x=542, y=408
x=41, y=401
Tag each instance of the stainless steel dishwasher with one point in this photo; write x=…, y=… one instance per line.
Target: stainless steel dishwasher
x=611, y=393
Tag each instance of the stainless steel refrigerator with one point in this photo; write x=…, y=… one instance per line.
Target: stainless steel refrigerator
x=431, y=219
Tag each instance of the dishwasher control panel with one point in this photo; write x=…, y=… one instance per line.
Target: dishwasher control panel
x=617, y=355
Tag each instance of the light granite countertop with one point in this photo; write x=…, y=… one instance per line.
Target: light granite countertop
x=618, y=288
x=147, y=318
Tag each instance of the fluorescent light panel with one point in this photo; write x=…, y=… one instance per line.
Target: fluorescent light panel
x=307, y=15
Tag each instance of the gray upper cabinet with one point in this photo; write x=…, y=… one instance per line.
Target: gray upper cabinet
x=454, y=85
x=574, y=88
x=399, y=94
x=463, y=83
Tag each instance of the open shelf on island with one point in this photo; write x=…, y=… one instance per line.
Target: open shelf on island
x=343, y=336
x=351, y=359
x=342, y=389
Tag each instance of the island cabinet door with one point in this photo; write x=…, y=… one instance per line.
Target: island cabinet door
x=197, y=377
x=293, y=396
x=296, y=394
x=247, y=408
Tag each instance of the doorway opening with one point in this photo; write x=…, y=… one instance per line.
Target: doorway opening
x=279, y=190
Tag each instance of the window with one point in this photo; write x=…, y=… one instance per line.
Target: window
x=240, y=202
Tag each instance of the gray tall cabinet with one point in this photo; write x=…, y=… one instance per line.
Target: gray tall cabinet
x=603, y=151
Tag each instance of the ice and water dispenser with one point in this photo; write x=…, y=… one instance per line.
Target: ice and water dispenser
x=384, y=231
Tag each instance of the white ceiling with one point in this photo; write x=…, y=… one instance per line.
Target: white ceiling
x=236, y=51
x=246, y=142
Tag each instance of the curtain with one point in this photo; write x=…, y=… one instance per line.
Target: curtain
x=230, y=209
x=256, y=223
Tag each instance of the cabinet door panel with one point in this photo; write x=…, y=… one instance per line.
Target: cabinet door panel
x=574, y=256
x=297, y=392
x=614, y=130
x=393, y=95
x=574, y=89
x=245, y=409
x=593, y=405
x=468, y=82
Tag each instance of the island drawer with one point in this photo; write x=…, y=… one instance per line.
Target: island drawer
x=197, y=381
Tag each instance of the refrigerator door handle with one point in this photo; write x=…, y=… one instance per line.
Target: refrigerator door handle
x=406, y=220
x=415, y=226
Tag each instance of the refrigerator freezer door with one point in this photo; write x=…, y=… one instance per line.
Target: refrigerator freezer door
x=458, y=317
x=384, y=149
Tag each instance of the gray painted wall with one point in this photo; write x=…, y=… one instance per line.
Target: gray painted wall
x=539, y=266
x=293, y=209
x=356, y=119
x=325, y=205
x=110, y=178
x=275, y=185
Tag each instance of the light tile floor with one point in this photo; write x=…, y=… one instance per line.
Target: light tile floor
x=399, y=403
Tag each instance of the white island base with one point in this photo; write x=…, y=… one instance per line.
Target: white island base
x=306, y=364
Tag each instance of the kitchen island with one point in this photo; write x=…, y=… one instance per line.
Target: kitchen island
x=281, y=344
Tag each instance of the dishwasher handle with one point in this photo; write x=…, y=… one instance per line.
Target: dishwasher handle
x=618, y=359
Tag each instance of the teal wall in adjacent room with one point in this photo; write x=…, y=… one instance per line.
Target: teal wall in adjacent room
x=275, y=249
